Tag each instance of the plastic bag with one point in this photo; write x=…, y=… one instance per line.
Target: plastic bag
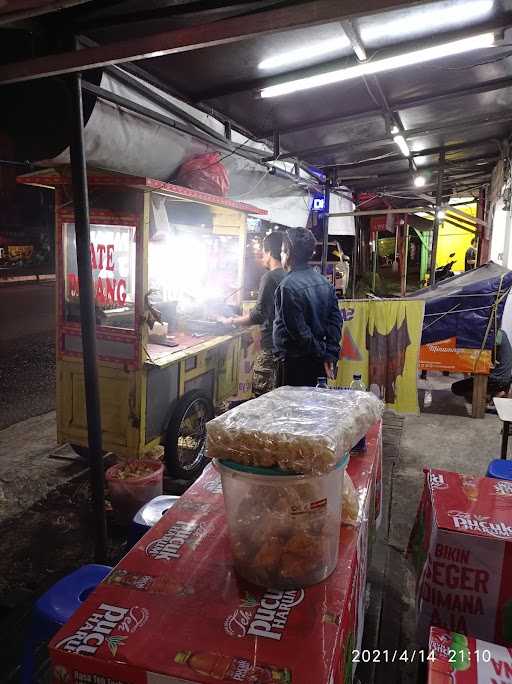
x=299, y=429
x=205, y=173
x=350, y=505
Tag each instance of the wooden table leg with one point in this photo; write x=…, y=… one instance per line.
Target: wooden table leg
x=504, y=440
x=479, y=395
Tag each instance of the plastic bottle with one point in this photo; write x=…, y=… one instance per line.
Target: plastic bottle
x=229, y=669
x=322, y=383
x=358, y=384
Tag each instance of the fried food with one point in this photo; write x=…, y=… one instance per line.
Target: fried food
x=278, y=540
x=298, y=429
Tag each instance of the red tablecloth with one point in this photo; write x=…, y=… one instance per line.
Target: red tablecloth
x=174, y=612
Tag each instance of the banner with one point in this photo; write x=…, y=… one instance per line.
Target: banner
x=381, y=340
x=250, y=348
x=446, y=356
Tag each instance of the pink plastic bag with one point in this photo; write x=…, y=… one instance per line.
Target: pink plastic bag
x=205, y=173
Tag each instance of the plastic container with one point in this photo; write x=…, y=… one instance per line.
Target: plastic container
x=129, y=495
x=284, y=528
x=358, y=384
x=149, y=515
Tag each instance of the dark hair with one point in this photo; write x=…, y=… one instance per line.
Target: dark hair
x=272, y=243
x=300, y=244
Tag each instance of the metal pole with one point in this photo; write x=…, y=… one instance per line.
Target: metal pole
x=435, y=233
x=325, y=229
x=379, y=212
x=355, y=256
x=403, y=285
x=375, y=250
x=88, y=318
x=506, y=244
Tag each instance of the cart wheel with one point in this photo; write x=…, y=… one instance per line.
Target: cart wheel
x=185, y=450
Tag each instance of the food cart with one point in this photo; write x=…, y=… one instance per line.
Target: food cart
x=157, y=251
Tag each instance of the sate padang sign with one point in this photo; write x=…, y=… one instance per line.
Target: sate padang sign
x=381, y=340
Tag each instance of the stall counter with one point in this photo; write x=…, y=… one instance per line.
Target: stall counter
x=174, y=612
x=187, y=345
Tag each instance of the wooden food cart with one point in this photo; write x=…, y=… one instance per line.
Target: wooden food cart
x=155, y=248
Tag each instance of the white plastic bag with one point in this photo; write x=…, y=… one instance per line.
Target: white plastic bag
x=299, y=429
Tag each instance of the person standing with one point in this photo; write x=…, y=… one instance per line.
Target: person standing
x=265, y=367
x=470, y=258
x=308, y=322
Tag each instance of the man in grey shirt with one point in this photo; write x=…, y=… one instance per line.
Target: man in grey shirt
x=265, y=369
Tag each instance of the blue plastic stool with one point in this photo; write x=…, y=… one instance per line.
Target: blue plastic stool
x=500, y=469
x=56, y=607
x=148, y=515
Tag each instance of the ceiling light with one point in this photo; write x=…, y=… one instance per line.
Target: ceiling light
x=420, y=181
x=425, y=20
x=376, y=66
x=402, y=144
x=306, y=53
x=395, y=130
x=441, y=215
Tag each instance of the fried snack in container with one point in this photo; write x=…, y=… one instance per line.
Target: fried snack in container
x=350, y=505
x=298, y=429
x=284, y=529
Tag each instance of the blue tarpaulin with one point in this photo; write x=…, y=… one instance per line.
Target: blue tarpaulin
x=461, y=306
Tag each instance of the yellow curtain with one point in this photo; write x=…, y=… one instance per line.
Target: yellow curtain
x=381, y=340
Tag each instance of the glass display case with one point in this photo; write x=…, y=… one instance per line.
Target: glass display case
x=112, y=253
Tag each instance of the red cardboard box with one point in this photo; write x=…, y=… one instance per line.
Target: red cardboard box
x=174, y=612
x=458, y=659
x=461, y=546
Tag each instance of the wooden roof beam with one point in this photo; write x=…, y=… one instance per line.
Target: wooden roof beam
x=221, y=32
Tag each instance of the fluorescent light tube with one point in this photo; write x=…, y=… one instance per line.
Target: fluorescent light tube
x=377, y=66
x=306, y=53
x=402, y=144
x=427, y=19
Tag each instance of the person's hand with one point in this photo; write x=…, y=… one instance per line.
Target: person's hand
x=329, y=369
x=225, y=321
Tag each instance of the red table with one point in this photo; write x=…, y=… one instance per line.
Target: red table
x=174, y=612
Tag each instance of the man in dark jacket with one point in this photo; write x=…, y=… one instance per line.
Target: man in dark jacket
x=307, y=324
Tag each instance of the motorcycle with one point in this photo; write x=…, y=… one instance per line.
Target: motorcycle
x=444, y=272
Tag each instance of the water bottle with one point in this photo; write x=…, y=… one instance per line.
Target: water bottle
x=322, y=383
x=358, y=384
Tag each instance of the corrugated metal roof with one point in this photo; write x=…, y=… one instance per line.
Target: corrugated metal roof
x=460, y=104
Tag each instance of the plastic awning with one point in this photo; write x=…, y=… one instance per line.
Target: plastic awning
x=462, y=306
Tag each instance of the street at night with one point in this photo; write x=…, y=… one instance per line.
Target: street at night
x=255, y=341
x=27, y=350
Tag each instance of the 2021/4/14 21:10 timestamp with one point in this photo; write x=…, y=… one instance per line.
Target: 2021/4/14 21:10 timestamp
x=392, y=656
x=459, y=655
x=419, y=656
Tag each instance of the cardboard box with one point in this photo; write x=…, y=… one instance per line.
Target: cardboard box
x=174, y=612
x=458, y=659
x=461, y=547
